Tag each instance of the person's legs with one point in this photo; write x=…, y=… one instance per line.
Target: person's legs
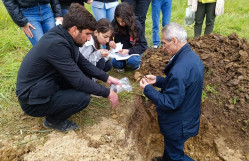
x=173, y=150
x=65, y=103
x=62, y=105
x=141, y=10
x=166, y=11
x=110, y=13
x=210, y=17
x=199, y=17
x=104, y=65
x=156, y=8
x=99, y=12
x=118, y=64
x=134, y=61
x=48, y=20
x=34, y=18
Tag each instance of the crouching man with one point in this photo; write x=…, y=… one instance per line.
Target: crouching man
x=179, y=101
x=54, y=80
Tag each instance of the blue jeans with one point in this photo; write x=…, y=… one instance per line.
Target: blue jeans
x=133, y=61
x=42, y=18
x=64, y=11
x=157, y=6
x=102, y=10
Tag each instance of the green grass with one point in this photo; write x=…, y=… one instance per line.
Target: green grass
x=14, y=44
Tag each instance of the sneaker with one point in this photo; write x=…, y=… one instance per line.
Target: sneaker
x=155, y=47
x=121, y=70
x=62, y=126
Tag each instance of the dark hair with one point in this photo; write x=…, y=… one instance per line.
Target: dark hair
x=78, y=16
x=103, y=26
x=125, y=12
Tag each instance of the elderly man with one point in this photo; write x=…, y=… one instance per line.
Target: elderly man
x=54, y=79
x=178, y=103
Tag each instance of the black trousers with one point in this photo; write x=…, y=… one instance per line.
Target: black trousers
x=62, y=105
x=140, y=8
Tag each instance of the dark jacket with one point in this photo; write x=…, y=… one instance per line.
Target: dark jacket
x=13, y=7
x=141, y=44
x=65, y=4
x=178, y=104
x=53, y=59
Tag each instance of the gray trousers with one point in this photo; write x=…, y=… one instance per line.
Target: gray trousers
x=208, y=10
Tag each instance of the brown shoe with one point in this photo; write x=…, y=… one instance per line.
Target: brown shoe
x=157, y=159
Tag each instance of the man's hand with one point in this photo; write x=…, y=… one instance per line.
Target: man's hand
x=112, y=80
x=112, y=44
x=27, y=31
x=151, y=79
x=113, y=97
x=143, y=83
x=124, y=52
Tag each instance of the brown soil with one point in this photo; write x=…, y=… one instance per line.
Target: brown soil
x=131, y=132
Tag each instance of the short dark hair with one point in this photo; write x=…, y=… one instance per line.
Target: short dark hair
x=80, y=17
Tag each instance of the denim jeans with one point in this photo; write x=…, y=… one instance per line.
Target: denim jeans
x=62, y=105
x=104, y=10
x=41, y=17
x=140, y=8
x=133, y=61
x=157, y=6
x=64, y=11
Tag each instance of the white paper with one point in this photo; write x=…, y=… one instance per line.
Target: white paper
x=115, y=54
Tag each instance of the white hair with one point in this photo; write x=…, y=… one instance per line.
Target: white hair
x=175, y=30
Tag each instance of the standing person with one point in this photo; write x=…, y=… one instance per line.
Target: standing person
x=53, y=79
x=65, y=4
x=140, y=8
x=179, y=101
x=104, y=9
x=92, y=50
x=157, y=6
x=34, y=16
x=208, y=9
x=130, y=33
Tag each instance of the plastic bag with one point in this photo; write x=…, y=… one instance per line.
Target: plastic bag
x=219, y=8
x=126, y=86
x=190, y=16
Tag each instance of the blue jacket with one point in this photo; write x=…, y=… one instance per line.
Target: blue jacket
x=178, y=103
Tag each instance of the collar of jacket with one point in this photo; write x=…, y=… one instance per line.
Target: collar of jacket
x=176, y=56
x=70, y=40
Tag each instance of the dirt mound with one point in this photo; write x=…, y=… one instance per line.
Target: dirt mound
x=225, y=95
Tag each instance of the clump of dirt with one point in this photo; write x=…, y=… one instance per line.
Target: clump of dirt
x=225, y=96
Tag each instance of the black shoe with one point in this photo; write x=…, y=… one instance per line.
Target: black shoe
x=157, y=159
x=62, y=126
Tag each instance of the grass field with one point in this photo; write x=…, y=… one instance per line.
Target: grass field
x=14, y=44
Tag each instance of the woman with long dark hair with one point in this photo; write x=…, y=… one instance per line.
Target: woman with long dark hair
x=129, y=32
